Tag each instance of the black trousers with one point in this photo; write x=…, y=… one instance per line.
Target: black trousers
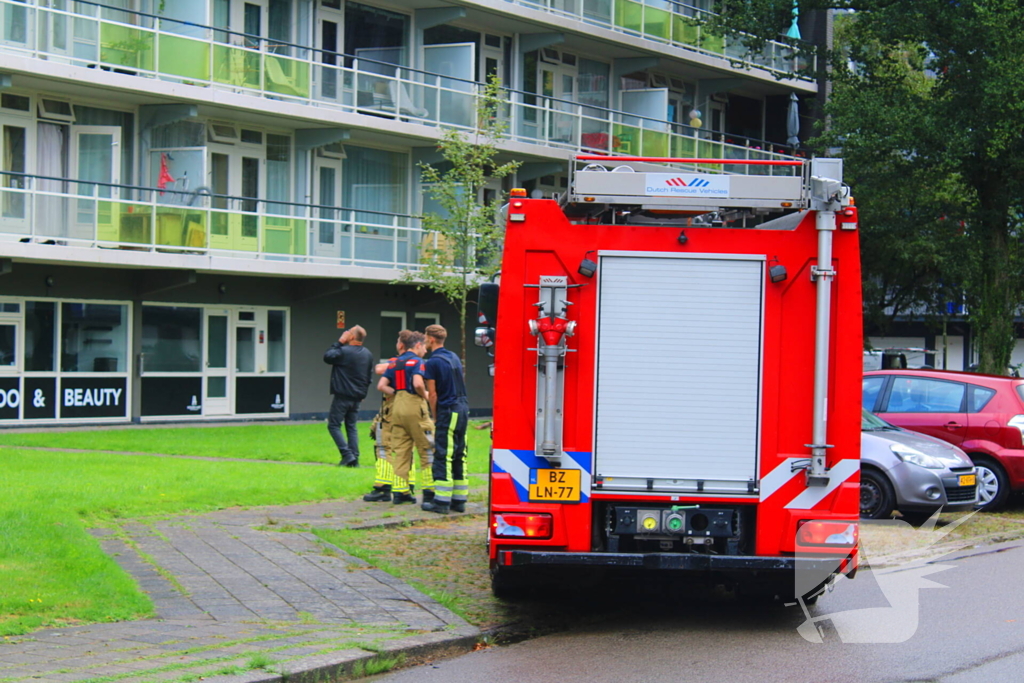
x=344, y=411
x=450, y=483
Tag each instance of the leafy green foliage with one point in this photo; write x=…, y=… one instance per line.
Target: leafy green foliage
x=464, y=237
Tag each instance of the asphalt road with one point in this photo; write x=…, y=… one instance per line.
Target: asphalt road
x=969, y=631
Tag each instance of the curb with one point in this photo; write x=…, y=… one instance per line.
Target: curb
x=351, y=664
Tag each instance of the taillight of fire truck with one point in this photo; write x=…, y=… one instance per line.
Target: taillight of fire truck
x=823, y=533
x=522, y=525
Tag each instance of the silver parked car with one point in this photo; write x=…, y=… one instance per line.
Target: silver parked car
x=912, y=473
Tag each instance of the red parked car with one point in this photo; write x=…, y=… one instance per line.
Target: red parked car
x=982, y=414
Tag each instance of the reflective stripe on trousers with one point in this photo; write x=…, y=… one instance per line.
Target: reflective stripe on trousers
x=450, y=453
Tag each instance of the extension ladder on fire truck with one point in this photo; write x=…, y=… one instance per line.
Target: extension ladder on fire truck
x=678, y=185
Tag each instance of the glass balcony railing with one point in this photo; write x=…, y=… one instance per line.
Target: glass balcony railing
x=56, y=211
x=678, y=24
x=193, y=54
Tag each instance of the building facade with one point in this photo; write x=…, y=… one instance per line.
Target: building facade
x=196, y=194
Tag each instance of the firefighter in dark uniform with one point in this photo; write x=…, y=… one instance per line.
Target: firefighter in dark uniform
x=410, y=418
x=446, y=386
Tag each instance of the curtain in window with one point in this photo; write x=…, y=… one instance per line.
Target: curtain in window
x=51, y=155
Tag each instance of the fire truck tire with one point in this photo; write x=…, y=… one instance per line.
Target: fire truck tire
x=877, y=497
x=508, y=584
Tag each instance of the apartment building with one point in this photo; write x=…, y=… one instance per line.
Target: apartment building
x=195, y=193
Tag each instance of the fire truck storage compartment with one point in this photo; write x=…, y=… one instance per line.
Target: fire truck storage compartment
x=678, y=372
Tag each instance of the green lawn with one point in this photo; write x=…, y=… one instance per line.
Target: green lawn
x=53, y=572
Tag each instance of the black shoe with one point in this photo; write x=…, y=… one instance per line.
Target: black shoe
x=403, y=498
x=349, y=461
x=435, y=506
x=428, y=495
x=379, y=494
x=458, y=506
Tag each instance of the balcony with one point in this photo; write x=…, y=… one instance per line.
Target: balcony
x=61, y=212
x=159, y=48
x=677, y=24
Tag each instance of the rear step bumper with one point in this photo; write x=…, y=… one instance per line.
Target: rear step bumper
x=671, y=561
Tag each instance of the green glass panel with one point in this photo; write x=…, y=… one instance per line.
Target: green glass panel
x=287, y=76
x=685, y=31
x=283, y=235
x=629, y=15
x=184, y=57
x=181, y=227
x=684, y=146
x=129, y=47
x=709, y=149
x=236, y=66
x=626, y=139
x=655, y=144
x=132, y=223
x=658, y=23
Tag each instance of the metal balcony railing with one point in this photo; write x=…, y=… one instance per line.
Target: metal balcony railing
x=677, y=24
x=59, y=211
x=194, y=54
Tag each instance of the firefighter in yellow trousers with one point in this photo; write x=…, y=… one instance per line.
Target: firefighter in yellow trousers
x=410, y=421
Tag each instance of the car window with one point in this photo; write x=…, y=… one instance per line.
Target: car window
x=917, y=395
x=869, y=391
x=978, y=397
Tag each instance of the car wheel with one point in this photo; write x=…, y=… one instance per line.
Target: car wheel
x=877, y=498
x=993, y=485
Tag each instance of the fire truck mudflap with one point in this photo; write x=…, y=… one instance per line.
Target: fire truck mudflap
x=673, y=392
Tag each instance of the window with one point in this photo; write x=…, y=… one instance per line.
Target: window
x=40, y=336
x=254, y=137
x=978, y=397
x=8, y=346
x=15, y=102
x=171, y=338
x=245, y=349
x=276, y=344
x=375, y=34
x=916, y=395
x=13, y=145
x=56, y=110
x=869, y=391
x=223, y=132
x=278, y=173
x=421, y=320
x=94, y=337
x=391, y=323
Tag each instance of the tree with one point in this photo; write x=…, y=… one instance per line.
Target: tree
x=462, y=241
x=927, y=102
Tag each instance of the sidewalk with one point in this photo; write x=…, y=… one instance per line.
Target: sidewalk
x=245, y=596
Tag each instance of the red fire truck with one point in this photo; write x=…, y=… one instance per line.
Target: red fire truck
x=677, y=376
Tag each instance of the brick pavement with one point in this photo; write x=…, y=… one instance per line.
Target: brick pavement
x=237, y=588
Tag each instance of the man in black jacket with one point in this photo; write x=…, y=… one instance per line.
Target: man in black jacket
x=350, y=380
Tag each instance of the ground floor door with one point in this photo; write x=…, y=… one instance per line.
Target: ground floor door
x=217, y=400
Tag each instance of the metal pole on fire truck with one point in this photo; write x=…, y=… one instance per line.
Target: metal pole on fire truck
x=826, y=198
